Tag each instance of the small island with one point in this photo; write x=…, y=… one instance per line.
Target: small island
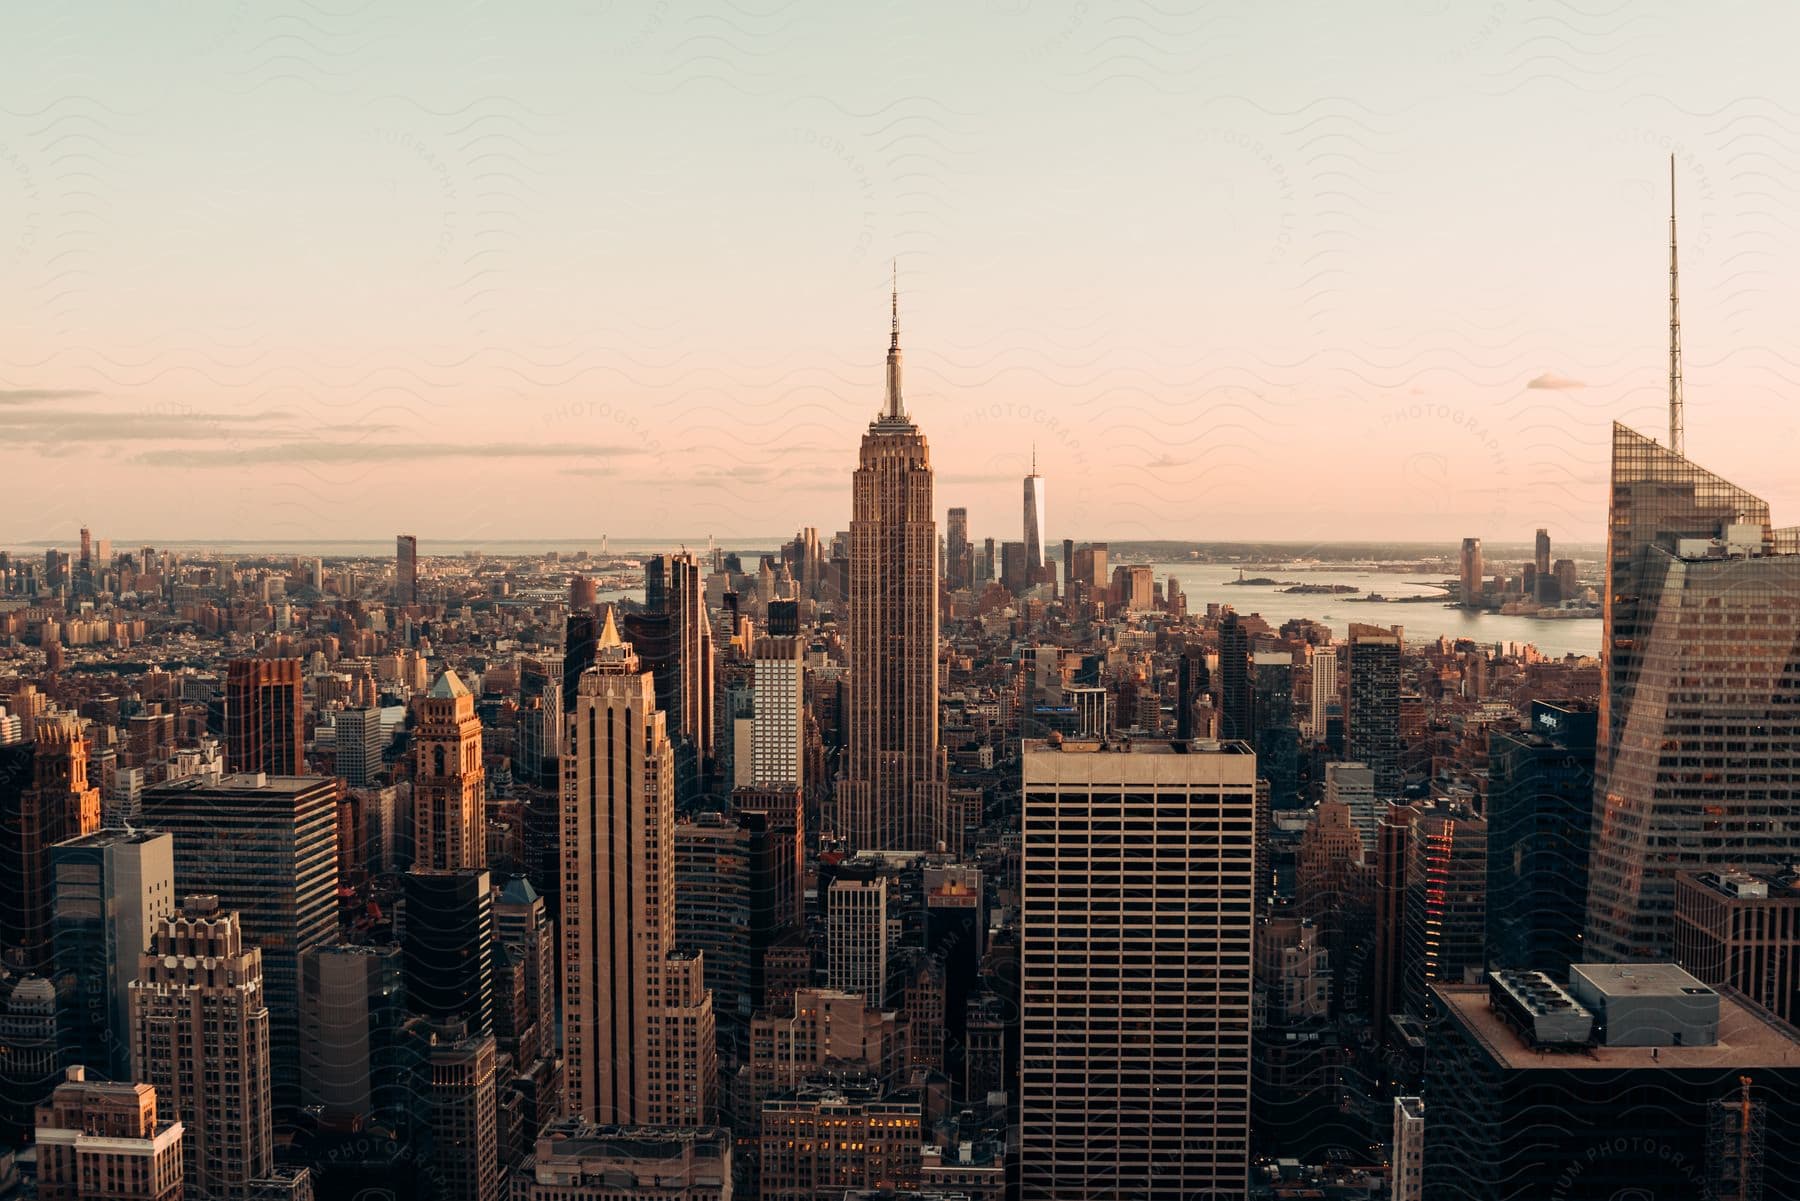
x=1322, y=589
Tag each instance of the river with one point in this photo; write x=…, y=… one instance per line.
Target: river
x=1209, y=583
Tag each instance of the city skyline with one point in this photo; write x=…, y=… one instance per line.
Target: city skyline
x=439, y=816
x=416, y=280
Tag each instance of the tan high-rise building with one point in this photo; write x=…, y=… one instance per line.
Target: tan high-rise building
x=265, y=717
x=1135, y=1013
x=450, y=788
x=894, y=791
x=44, y=800
x=103, y=1142
x=639, y=1039
x=200, y=1037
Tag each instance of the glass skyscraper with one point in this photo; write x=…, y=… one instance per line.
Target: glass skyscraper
x=1700, y=716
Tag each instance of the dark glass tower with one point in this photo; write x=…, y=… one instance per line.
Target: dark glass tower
x=447, y=947
x=1539, y=809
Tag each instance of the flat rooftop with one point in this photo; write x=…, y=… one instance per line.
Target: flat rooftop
x=273, y=785
x=1748, y=1038
x=1639, y=980
x=1137, y=746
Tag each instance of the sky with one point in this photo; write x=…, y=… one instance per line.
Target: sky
x=1307, y=271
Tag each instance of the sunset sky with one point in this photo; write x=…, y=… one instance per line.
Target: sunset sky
x=1316, y=271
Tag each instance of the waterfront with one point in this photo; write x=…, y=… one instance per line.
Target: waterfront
x=1424, y=621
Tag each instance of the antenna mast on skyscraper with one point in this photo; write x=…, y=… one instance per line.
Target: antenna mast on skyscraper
x=1675, y=417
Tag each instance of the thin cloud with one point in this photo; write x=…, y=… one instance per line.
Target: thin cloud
x=32, y=396
x=1552, y=382
x=373, y=452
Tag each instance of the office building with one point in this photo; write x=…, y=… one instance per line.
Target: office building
x=265, y=717
x=406, y=569
x=1353, y=786
x=778, y=723
x=200, y=1038
x=1539, y=808
x=958, y=554
x=1446, y=901
x=856, y=932
x=681, y=659
x=821, y=1029
x=1692, y=766
x=639, y=1038
x=821, y=1140
x=112, y=889
x=1274, y=734
x=462, y=1101
x=894, y=791
x=1393, y=840
x=1237, y=684
x=1471, y=573
x=526, y=933
x=1324, y=689
x=450, y=783
x=1541, y=566
x=44, y=799
x=1372, y=721
x=577, y=1161
x=1742, y=930
x=1524, y=1107
x=1108, y=1106
x=105, y=1142
x=1407, y=1165
x=353, y=1058
x=267, y=847
x=1036, y=544
x=446, y=930
x=360, y=741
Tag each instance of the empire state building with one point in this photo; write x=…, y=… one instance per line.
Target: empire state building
x=893, y=793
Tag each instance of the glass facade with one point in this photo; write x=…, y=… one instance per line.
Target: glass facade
x=1699, y=725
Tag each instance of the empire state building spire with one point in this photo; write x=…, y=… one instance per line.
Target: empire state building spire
x=894, y=412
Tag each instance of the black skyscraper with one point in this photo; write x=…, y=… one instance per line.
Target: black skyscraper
x=1539, y=811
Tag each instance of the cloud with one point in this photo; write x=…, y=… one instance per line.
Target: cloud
x=31, y=396
x=59, y=427
x=1550, y=381
x=373, y=452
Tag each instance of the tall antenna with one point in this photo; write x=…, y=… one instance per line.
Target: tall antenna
x=895, y=410
x=1676, y=423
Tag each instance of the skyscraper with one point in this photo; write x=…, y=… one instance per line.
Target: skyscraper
x=679, y=655
x=778, y=724
x=1324, y=688
x=1034, y=524
x=1372, y=728
x=265, y=717
x=200, y=1037
x=1471, y=573
x=1697, y=720
x=1135, y=1056
x=1540, y=803
x=639, y=1039
x=44, y=800
x=1541, y=563
x=1237, y=686
x=359, y=741
x=406, y=570
x=957, y=558
x=113, y=888
x=856, y=933
x=267, y=848
x=450, y=785
x=447, y=946
x=894, y=792
x=1446, y=902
